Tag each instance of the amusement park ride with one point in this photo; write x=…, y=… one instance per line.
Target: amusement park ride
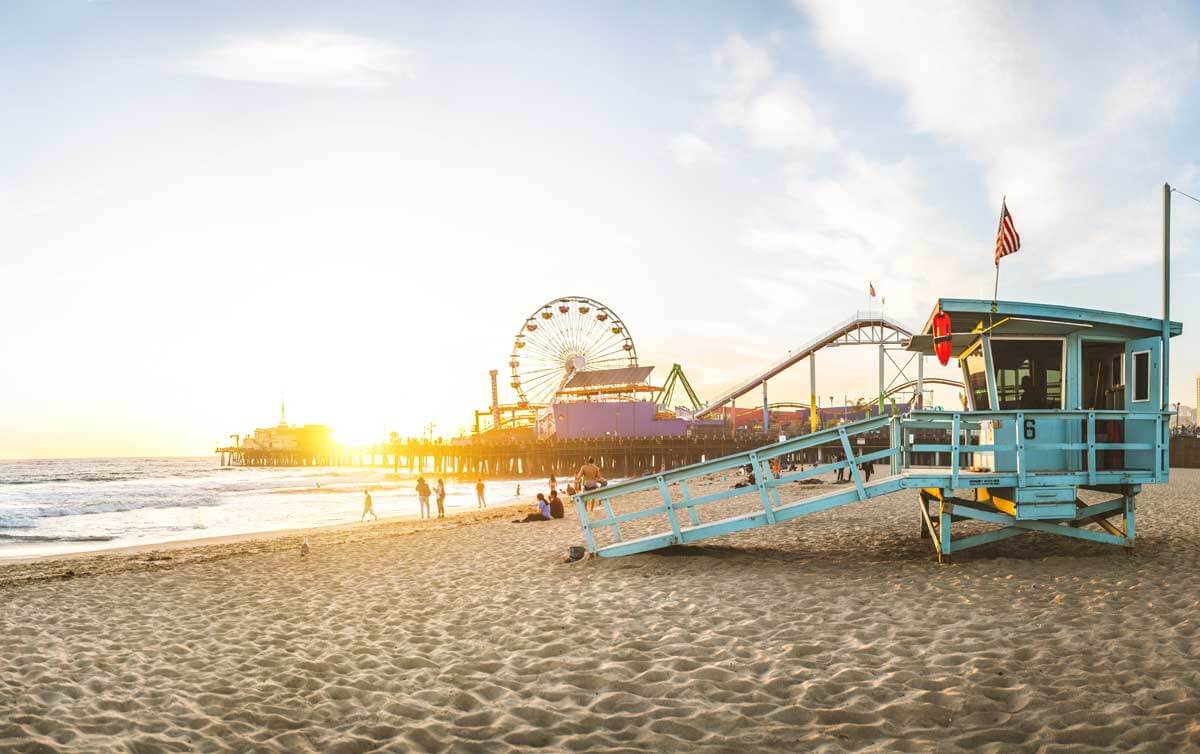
x=1067, y=417
x=576, y=348
x=562, y=338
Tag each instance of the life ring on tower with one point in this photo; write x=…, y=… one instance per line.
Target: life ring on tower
x=941, y=336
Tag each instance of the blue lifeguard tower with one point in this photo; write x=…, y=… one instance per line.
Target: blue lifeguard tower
x=1063, y=404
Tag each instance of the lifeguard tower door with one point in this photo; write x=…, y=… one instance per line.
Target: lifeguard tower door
x=1143, y=394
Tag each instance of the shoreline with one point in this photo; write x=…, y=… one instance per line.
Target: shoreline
x=175, y=553
x=147, y=507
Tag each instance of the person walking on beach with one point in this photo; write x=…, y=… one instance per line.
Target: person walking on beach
x=589, y=478
x=368, y=507
x=441, y=498
x=479, y=501
x=553, y=486
x=423, y=495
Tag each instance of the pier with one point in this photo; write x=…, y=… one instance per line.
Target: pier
x=529, y=458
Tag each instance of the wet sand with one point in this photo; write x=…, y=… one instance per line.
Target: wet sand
x=835, y=632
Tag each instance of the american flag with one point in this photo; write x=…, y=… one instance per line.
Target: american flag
x=1008, y=241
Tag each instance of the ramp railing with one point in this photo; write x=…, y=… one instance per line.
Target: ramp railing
x=842, y=440
x=923, y=449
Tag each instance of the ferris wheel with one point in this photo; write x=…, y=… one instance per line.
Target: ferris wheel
x=564, y=336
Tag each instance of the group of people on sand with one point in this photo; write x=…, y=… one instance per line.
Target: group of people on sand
x=424, y=492
x=866, y=469
x=548, y=507
x=587, y=478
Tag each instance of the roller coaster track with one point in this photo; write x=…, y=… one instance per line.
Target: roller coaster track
x=865, y=328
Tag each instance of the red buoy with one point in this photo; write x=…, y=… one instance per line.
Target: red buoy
x=941, y=336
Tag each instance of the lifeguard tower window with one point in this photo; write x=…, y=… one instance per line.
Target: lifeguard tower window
x=973, y=364
x=1141, y=376
x=1029, y=373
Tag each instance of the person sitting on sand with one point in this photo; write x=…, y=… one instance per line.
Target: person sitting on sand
x=556, y=505
x=441, y=498
x=368, y=507
x=423, y=492
x=543, y=512
x=749, y=481
x=589, y=478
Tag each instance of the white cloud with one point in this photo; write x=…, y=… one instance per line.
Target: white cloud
x=1067, y=133
x=862, y=221
x=306, y=58
x=746, y=65
x=690, y=149
x=773, y=111
x=780, y=118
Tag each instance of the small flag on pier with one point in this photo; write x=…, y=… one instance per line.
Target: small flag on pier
x=871, y=285
x=1008, y=241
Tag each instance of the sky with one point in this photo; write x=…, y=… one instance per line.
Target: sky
x=206, y=208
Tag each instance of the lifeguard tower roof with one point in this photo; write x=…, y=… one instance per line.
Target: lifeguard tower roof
x=971, y=317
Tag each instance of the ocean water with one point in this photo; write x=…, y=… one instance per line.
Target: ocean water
x=60, y=506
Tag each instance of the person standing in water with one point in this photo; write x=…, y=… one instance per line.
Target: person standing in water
x=441, y=498
x=479, y=501
x=423, y=496
x=368, y=507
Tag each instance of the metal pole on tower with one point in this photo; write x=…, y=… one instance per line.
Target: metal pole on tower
x=920, y=381
x=1166, y=296
x=766, y=413
x=882, y=386
x=814, y=420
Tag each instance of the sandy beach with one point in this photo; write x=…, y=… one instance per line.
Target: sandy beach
x=837, y=632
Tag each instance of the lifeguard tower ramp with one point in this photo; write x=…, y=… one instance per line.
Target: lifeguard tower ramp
x=1022, y=469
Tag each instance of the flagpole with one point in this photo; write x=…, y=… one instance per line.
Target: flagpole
x=999, y=229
